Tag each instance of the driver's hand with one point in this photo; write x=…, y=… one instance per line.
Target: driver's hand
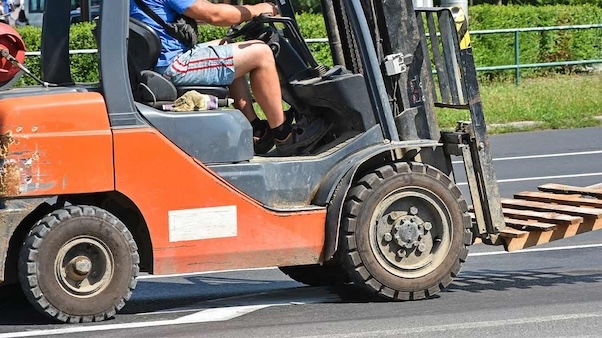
x=267, y=8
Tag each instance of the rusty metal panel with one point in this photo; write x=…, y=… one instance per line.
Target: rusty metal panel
x=56, y=144
x=10, y=176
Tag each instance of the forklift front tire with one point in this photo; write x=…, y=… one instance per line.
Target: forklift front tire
x=405, y=231
x=79, y=264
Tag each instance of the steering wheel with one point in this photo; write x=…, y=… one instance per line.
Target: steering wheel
x=247, y=28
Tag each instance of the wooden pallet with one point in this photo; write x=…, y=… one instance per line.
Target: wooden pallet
x=554, y=212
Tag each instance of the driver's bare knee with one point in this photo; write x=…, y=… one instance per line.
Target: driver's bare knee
x=251, y=55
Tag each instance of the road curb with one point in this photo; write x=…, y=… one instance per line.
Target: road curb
x=518, y=125
x=525, y=124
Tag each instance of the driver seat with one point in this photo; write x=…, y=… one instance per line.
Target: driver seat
x=148, y=86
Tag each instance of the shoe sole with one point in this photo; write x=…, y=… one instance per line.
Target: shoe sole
x=263, y=147
x=296, y=148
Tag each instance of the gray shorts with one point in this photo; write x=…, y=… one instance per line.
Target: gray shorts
x=203, y=65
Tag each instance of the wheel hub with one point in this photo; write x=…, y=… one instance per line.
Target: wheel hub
x=84, y=266
x=405, y=239
x=407, y=230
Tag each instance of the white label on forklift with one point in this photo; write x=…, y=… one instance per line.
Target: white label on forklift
x=202, y=223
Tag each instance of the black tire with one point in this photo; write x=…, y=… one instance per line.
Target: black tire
x=405, y=231
x=316, y=275
x=79, y=264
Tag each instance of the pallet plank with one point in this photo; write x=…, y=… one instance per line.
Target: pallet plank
x=529, y=225
x=559, y=199
x=513, y=233
x=567, y=189
x=535, y=238
x=547, y=217
x=540, y=206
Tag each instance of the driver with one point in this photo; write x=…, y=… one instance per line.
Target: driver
x=215, y=64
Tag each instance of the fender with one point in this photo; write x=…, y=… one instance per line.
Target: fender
x=334, y=189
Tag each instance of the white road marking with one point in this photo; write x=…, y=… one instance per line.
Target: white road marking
x=205, y=316
x=528, y=157
x=572, y=247
x=522, y=179
x=228, y=313
x=175, y=275
x=464, y=326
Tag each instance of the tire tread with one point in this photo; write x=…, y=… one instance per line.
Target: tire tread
x=28, y=264
x=351, y=259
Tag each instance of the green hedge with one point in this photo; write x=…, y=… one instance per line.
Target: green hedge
x=489, y=50
x=535, y=47
x=84, y=67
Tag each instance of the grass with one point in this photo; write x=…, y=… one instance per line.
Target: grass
x=563, y=101
x=555, y=102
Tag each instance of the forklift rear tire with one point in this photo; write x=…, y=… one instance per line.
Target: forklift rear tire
x=316, y=275
x=79, y=264
x=405, y=231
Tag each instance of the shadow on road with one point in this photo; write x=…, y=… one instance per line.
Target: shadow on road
x=15, y=310
x=491, y=280
x=151, y=295
x=211, y=291
x=496, y=280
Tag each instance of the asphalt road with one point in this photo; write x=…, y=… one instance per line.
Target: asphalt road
x=549, y=291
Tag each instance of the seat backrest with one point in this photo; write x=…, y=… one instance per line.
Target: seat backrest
x=144, y=49
x=144, y=46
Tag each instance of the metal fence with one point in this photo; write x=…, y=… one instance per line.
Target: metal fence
x=517, y=66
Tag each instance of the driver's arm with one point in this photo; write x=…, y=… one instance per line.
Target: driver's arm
x=227, y=15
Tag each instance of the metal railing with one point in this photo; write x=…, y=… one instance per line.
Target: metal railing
x=517, y=66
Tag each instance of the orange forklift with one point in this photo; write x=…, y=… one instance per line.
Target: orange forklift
x=99, y=182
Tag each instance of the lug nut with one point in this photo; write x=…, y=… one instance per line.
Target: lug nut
x=428, y=226
x=421, y=247
x=413, y=210
x=387, y=237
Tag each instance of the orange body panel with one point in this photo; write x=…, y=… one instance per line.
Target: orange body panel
x=160, y=178
x=55, y=144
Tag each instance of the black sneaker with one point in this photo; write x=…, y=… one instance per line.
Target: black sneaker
x=302, y=136
x=264, y=140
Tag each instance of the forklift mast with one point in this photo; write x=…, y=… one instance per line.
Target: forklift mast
x=421, y=70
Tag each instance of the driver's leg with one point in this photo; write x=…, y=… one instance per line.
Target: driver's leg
x=256, y=59
x=243, y=101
